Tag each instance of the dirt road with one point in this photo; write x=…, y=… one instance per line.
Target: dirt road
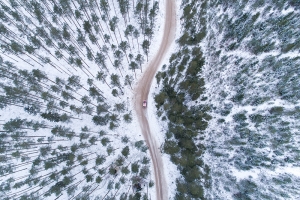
x=141, y=93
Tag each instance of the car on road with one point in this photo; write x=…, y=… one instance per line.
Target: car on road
x=144, y=103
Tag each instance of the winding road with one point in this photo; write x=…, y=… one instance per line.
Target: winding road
x=142, y=91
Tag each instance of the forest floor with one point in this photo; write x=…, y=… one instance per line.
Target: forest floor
x=142, y=91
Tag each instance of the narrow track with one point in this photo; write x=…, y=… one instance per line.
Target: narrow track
x=141, y=93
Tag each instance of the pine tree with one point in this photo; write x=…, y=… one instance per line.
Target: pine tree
x=129, y=32
x=115, y=93
x=117, y=65
x=100, y=60
x=101, y=77
x=128, y=80
x=113, y=24
x=125, y=151
x=136, y=35
x=140, y=60
x=146, y=45
x=115, y=81
x=127, y=118
x=119, y=55
x=120, y=107
x=133, y=66
x=53, y=117
x=123, y=46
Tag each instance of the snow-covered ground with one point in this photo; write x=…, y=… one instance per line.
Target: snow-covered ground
x=130, y=130
x=252, y=138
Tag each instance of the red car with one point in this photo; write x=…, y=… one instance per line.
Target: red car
x=144, y=103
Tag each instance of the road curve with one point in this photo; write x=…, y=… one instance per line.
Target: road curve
x=141, y=93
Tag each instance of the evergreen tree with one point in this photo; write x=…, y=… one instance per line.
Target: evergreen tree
x=115, y=81
x=133, y=66
x=124, y=46
x=140, y=60
x=128, y=80
x=146, y=45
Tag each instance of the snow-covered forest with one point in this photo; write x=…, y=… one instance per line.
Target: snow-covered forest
x=230, y=99
x=227, y=99
x=67, y=71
